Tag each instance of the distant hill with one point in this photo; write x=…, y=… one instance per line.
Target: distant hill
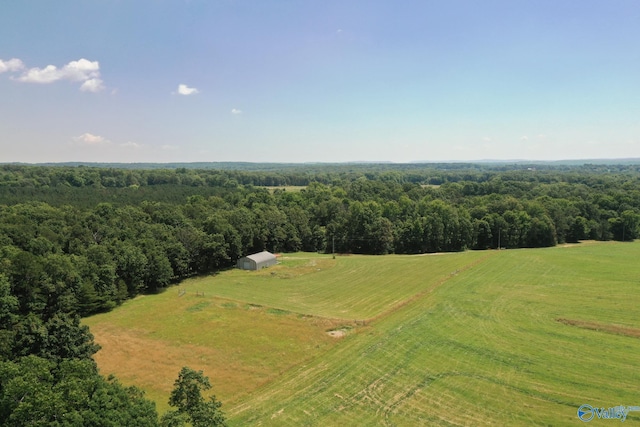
x=250, y=166
x=570, y=162
x=575, y=162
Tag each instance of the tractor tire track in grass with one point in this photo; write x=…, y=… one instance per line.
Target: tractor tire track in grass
x=481, y=348
x=373, y=395
x=430, y=289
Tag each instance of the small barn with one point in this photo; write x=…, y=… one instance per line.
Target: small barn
x=257, y=261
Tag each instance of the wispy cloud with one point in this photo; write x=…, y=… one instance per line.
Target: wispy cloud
x=486, y=139
x=186, y=90
x=82, y=70
x=13, y=64
x=132, y=145
x=90, y=139
x=524, y=138
x=236, y=111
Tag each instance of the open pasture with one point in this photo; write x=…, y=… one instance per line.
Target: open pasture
x=518, y=337
x=352, y=287
x=239, y=346
x=246, y=328
x=485, y=348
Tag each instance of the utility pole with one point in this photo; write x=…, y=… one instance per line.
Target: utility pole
x=498, y=238
x=333, y=246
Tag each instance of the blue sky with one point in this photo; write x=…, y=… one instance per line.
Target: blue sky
x=328, y=81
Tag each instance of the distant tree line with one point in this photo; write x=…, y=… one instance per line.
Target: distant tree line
x=231, y=174
x=94, y=254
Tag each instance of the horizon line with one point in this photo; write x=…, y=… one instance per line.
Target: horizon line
x=347, y=162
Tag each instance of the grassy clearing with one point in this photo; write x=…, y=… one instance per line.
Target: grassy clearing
x=458, y=339
x=250, y=327
x=147, y=340
x=349, y=287
x=484, y=348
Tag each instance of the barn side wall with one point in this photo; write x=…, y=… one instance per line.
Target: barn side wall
x=243, y=260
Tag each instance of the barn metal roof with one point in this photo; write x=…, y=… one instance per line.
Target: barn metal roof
x=262, y=256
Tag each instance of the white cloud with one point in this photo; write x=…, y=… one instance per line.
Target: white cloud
x=168, y=147
x=132, y=145
x=185, y=90
x=524, y=138
x=82, y=70
x=13, y=64
x=236, y=111
x=48, y=74
x=92, y=85
x=90, y=143
x=90, y=139
x=486, y=139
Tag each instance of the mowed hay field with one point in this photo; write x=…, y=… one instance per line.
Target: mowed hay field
x=515, y=337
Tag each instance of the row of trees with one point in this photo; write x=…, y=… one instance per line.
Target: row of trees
x=269, y=174
x=93, y=258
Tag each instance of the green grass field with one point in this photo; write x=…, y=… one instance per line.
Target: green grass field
x=517, y=337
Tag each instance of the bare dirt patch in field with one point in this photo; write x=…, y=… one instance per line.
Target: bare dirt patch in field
x=340, y=331
x=336, y=334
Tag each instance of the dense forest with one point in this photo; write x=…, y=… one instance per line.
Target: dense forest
x=77, y=240
x=98, y=236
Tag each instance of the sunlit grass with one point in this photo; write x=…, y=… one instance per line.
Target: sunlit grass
x=239, y=346
x=514, y=337
x=354, y=287
x=485, y=348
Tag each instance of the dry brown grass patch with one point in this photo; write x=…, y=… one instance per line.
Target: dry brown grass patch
x=153, y=365
x=602, y=327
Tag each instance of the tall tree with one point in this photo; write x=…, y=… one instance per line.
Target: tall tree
x=190, y=405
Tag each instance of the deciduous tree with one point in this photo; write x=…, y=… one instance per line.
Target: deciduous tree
x=190, y=405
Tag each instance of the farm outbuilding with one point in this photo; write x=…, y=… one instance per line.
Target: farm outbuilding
x=257, y=261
